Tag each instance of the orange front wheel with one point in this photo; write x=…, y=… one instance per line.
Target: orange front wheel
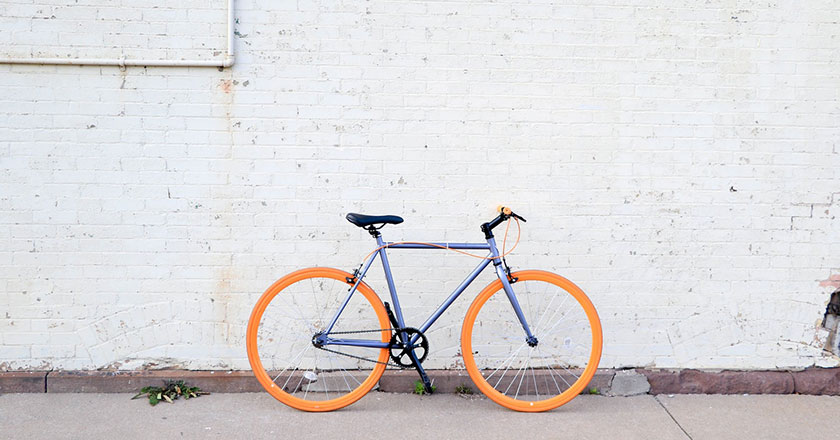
x=538, y=374
x=281, y=332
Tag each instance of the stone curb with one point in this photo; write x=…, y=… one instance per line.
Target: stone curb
x=447, y=381
x=814, y=381
x=23, y=381
x=402, y=381
x=395, y=381
x=723, y=382
x=818, y=381
x=132, y=381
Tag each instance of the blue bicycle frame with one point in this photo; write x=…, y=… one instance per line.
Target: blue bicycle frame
x=493, y=257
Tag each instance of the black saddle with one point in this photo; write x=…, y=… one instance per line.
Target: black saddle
x=362, y=220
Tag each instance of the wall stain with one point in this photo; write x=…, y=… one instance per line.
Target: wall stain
x=832, y=281
x=226, y=85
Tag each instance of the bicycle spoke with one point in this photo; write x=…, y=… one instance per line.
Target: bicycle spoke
x=571, y=325
x=347, y=373
x=558, y=375
x=296, y=357
x=507, y=368
x=545, y=379
x=551, y=330
x=306, y=391
x=570, y=372
x=315, y=298
x=505, y=361
x=560, y=307
x=524, y=370
x=331, y=356
x=511, y=382
x=536, y=389
x=323, y=379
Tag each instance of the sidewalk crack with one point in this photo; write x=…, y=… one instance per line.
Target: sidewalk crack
x=655, y=397
x=46, y=379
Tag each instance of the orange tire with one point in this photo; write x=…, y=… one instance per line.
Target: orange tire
x=291, y=295
x=552, y=363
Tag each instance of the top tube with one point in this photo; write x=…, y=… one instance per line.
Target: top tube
x=435, y=245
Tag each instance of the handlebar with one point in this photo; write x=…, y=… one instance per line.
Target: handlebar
x=508, y=212
x=505, y=213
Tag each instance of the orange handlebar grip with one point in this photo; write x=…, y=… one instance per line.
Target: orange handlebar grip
x=506, y=210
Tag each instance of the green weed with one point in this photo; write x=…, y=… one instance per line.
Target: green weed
x=171, y=391
x=420, y=389
x=463, y=389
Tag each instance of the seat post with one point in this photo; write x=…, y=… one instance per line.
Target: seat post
x=374, y=232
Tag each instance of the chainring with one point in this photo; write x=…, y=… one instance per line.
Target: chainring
x=400, y=353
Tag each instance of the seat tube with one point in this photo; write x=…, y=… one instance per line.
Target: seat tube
x=390, y=279
x=500, y=272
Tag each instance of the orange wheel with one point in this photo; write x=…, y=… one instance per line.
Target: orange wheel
x=537, y=375
x=280, y=340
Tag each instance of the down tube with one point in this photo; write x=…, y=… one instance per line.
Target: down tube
x=460, y=289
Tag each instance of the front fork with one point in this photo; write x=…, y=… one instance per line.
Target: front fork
x=504, y=274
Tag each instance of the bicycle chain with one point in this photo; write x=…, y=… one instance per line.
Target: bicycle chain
x=360, y=357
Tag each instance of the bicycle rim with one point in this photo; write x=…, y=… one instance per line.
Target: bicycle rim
x=280, y=348
x=529, y=378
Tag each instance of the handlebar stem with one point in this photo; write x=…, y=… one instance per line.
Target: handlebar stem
x=487, y=228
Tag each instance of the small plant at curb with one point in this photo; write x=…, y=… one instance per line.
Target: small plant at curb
x=420, y=390
x=463, y=389
x=594, y=390
x=171, y=391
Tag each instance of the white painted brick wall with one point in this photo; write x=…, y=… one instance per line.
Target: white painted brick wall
x=678, y=160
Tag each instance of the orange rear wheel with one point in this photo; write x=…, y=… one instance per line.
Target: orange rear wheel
x=280, y=340
x=543, y=374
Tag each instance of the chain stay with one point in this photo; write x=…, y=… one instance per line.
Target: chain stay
x=361, y=358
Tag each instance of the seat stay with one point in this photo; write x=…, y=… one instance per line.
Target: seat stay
x=350, y=293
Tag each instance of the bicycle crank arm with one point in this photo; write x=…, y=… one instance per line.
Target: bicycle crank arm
x=427, y=384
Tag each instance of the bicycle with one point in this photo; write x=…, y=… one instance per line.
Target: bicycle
x=316, y=348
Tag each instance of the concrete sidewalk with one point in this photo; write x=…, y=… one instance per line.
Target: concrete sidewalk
x=440, y=416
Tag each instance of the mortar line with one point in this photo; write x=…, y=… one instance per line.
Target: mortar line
x=655, y=397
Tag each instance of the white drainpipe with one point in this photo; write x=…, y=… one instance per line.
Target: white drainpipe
x=123, y=62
